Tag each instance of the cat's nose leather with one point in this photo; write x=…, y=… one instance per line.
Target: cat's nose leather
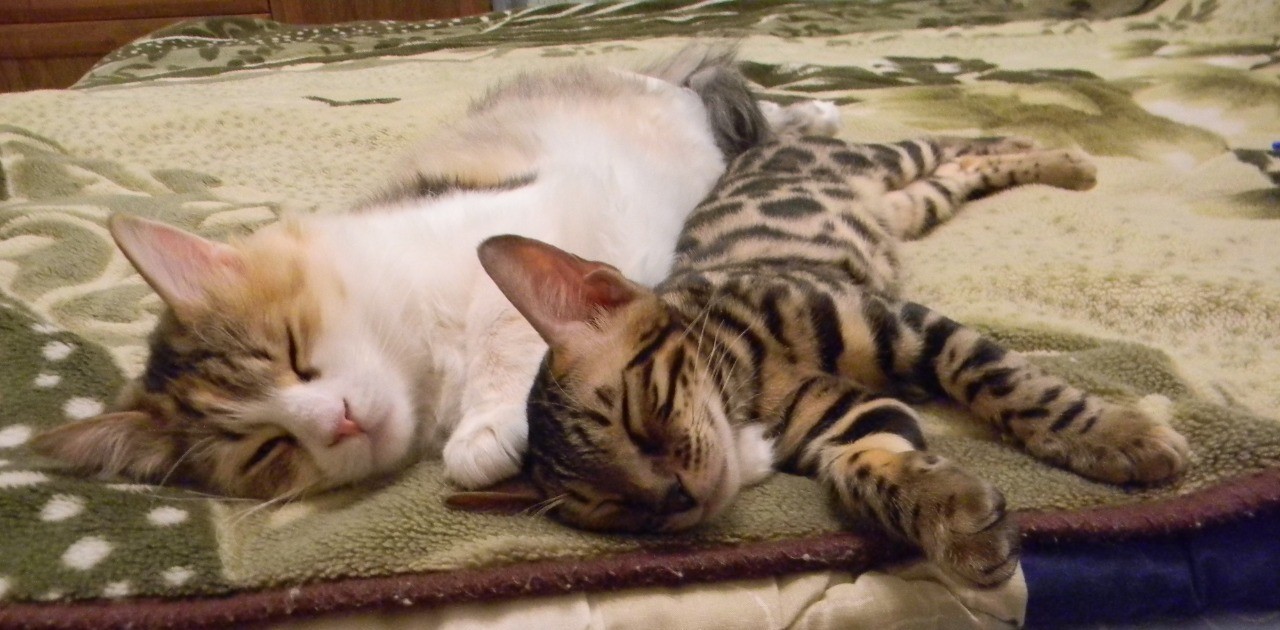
x=346, y=428
x=677, y=500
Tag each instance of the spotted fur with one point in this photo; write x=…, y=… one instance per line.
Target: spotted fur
x=781, y=327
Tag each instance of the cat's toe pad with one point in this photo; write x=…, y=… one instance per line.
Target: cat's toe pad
x=486, y=448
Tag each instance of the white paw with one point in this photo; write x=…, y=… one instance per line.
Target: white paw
x=755, y=454
x=824, y=116
x=818, y=118
x=487, y=447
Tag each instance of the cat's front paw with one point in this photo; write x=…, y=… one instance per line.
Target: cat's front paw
x=487, y=447
x=1126, y=445
x=962, y=522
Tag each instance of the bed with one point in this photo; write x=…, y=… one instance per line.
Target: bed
x=1160, y=286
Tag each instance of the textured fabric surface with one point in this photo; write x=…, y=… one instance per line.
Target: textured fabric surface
x=1160, y=285
x=875, y=599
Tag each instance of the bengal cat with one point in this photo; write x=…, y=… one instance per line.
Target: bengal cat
x=779, y=343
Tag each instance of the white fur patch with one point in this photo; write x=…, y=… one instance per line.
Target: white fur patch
x=755, y=454
x=814, y=117
x=14, y=435
x=86, y=553
x=487, y=447
x=62, y=507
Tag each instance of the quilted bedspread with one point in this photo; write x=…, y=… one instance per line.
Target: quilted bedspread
x=1160, y=286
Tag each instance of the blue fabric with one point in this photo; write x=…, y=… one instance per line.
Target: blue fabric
x=1229, y=567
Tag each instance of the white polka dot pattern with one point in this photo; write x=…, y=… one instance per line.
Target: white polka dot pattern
x=86, y=553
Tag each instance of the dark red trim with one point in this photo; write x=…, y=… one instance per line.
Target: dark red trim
x=847, y=551
x=1235, y=499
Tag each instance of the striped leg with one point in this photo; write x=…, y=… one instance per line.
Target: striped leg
x=921, y=205
x=1053, y=420
x=898, y=164
x=868, y=452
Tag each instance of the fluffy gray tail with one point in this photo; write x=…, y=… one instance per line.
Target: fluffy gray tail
x=712, y=73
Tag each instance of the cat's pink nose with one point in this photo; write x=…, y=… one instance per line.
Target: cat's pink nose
x=345, y=429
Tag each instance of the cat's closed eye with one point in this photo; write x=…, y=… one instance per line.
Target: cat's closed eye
x=304, y=373
x=266, y=449
x=647, y=444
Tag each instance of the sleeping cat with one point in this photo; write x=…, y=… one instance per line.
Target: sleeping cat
x=324, y=350
x=779, y=342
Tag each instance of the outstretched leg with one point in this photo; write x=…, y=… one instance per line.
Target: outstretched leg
x=920, y=205
x=868, y=452
x=1054, y=421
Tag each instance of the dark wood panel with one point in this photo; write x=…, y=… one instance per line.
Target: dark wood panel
x=17, y=75
x=330, y=11
x=75, y=39
x=30, y=11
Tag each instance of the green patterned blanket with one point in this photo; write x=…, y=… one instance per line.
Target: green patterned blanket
x=1161, y=285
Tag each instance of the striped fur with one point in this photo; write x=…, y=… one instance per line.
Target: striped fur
x=782, y=315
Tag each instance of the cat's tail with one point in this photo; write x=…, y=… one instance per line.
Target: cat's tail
x=711, y=72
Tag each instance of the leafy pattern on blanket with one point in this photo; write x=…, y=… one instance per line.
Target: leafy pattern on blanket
x=1159, y=286
x=215, y=45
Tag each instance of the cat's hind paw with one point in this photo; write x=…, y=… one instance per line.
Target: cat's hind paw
x=1138, y=445
x=1125, y=445
x=809, y=118
x=487, y=447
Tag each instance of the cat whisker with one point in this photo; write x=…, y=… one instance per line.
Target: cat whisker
x=278, y=501
x=541, y=508
x=202, y=442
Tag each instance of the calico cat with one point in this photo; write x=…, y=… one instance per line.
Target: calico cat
x=779, y=342
x=324, y=350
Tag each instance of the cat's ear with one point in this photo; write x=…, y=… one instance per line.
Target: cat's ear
x=181, y=267
x=505, y=497
x=560, y=294
x=127, y=443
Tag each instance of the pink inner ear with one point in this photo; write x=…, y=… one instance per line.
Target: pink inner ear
x=556, y=291
x=602, y=287
x=178, y=265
